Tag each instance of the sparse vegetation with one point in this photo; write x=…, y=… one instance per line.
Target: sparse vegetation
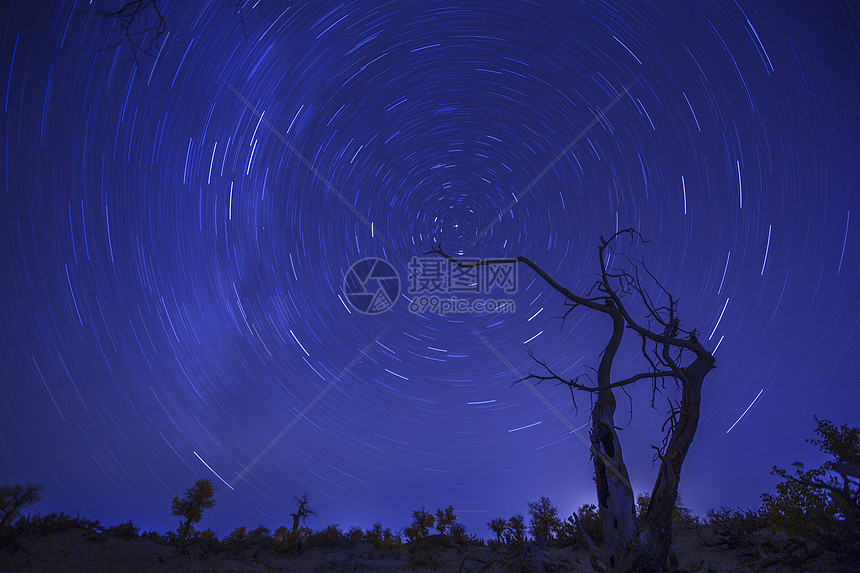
x=734, y=527
x=543, y=541
x=422, y=521
x=14, y=498
x=445, y=518
x=823, y=503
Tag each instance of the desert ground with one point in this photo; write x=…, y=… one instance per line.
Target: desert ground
x=695, y=549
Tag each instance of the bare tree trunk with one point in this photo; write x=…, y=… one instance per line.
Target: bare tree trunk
x=655, y=531
x=614, y=493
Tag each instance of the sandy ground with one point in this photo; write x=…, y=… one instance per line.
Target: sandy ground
x=78, y=550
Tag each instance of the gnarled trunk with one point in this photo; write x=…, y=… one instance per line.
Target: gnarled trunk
x=614, y=493
x=647, y=549
x=655, y=529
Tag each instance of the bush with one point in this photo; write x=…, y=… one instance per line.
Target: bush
x=515, y=530
x=589, y=518
x=734, y=527
x=822, y=504
x=422, y=521
x=354, y=536
x=568, y=534
x=127, y=530
x=42, y=525
x=498, y=526
x=237, y=535
x=445, y=518
x=156, y=536
x=288, y=540
x=329, y=537
x=14, y=498
x=260, y=533
x=382, y=538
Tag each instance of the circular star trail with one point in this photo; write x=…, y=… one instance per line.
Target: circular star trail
x=178, y=215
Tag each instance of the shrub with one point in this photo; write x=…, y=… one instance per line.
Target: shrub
x=734, y=527
x=515, y=530
x=382, y=538
x=127, y=530
x=589, y=519
x=329, y=537
x=289, y=540
x=498, y=526
x=155, y=536
x=41, y=525
x=14, y=498
x=238, y=534
x=823, y=503
x=422, y=521
x=283, y=538
x=568, y=534
x=457, y=532
x=354, y=536
x=445, y=518
x=260, y=532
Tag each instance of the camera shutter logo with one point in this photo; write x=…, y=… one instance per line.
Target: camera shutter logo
x=371, y=286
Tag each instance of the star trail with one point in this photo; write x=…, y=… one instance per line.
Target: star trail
x=180, y=218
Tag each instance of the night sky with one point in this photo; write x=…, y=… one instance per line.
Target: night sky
x=176, y=227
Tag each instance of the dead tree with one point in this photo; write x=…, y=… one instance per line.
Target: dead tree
x=140, y=24
x=303, y=510
x=133, y=22
x=671, y=355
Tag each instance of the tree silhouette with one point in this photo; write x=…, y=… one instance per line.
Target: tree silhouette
x=544, y=521
x=303, y=510
x=14, y=498
x=445, y=519
x=497, y=525
x=822, y=503
x=422, y=521
x=670, y=355
x=515, y=530
x=189, y=508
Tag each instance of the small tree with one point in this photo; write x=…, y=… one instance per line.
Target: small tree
x=303, y=510
x=498, y=526
x=457, y=532
x=822, y=503
x=588, y=519
x=190, y=508
x=515, y=532
x=422, y=521
x=382, y=538
x=445, y=518
x=14, y=498
x=544, y=522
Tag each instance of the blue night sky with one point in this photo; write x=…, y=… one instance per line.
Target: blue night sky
x=176, y=227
